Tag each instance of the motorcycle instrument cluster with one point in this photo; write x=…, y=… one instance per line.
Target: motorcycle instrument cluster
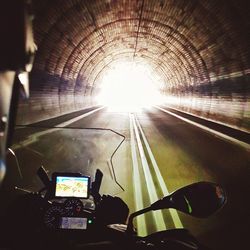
x=67, y=215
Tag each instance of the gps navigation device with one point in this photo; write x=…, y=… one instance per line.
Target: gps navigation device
x=71, y=185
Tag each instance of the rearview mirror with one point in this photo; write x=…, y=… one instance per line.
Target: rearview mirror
x=200, y=199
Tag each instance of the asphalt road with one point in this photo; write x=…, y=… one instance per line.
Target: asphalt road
x=155, y=141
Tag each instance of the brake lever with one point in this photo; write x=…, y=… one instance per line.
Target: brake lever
x=24, y=190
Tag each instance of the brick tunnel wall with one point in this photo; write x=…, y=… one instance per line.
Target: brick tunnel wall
x=48, y=100
x=199, y=48
x=224, y=96
x=224, y=101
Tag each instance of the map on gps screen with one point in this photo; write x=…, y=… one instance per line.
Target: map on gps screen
x=68, y=186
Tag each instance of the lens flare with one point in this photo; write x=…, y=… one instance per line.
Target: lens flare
x=128, y=87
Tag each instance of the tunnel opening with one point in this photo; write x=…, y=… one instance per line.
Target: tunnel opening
x=129, y=86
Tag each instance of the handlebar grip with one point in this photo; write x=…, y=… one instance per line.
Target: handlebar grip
x=98, y=181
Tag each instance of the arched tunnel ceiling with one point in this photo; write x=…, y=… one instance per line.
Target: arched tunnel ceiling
x=198, y=48
x=189, y=41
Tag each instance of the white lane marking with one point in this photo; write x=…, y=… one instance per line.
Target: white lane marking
x=64, y=124
x=173, y=212
x=219, y=134
x=158, y=216
x=34, y=137
x=141, y=224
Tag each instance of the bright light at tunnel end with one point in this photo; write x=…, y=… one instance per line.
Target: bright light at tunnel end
x=129, y=87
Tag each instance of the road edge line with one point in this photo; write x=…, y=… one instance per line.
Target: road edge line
x=212, y=131
x=33, y=138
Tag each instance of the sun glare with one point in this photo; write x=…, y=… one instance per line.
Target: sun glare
x=129, y=87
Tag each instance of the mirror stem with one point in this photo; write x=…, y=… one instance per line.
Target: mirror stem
x=161, y=204
x=130, y=228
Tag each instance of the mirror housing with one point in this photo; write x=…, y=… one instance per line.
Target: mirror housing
x=200, y=199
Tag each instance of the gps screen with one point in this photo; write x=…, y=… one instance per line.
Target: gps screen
x=72, y=186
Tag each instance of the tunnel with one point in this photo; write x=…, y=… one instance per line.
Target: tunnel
x=192, y=56
x=198, y=49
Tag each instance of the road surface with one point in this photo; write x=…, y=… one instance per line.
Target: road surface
x=160, y=154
